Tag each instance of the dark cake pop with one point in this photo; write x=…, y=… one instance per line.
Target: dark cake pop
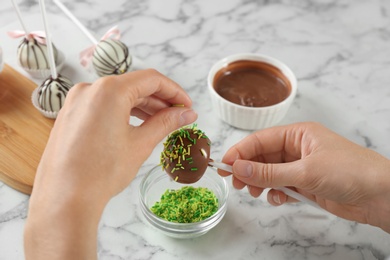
x=186, y=154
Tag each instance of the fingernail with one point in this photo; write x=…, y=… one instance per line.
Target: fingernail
x=276, y=199
x=243, y=169
x=187, y=117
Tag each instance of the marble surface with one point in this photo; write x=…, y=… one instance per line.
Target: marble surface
x=340, y=53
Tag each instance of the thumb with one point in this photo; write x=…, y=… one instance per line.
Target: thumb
x=158, y=126
x=266, y=175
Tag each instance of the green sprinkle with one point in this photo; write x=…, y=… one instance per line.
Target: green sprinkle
x=194, y=169
x=186, y=205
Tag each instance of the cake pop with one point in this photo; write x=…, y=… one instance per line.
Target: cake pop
x=32, y=54
x=52, y=93
x=32, y=50
x=186, y=154
x=49, y=97
x=109, y=56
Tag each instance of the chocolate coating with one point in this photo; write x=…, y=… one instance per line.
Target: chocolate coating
x=186, y=155
x=252, y=84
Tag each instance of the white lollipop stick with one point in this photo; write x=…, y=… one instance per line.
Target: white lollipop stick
x=76, y=21
x=20, y=17
x=286, y=191
x=221, y=165
x=49, y=45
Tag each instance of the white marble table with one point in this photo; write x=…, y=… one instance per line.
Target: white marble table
x=340, y=52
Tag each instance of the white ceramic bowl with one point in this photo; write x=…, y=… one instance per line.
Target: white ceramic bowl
x=157, y=181
x=250, y=118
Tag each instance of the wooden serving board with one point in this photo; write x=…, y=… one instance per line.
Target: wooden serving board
x=23, y=131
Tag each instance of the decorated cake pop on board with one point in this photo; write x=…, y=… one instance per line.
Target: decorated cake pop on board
x=32, y=50
x=109, y=56
x=49, y=97
x=186, y=154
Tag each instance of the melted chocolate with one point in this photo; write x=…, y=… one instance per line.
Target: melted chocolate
x=186, y=155
x=252, y=84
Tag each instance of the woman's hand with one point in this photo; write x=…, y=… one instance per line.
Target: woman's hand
x=93, y=153
x=344, y=178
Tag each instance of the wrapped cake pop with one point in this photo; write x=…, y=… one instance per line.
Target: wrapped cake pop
x=32, y=53
x=32, y=50
x=50, y=96
x=32, y=57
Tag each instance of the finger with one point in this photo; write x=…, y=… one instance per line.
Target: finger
x=223, y=173
x=150, y=82
x=276, y=198
x=237, y=184
x=255, y=191
x=139, y=113
x=268, y=175
x=151, y=104
x=158, y=126
x=272, y=145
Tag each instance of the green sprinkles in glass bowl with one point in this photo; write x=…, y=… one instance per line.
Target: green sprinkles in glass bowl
x=186, y=205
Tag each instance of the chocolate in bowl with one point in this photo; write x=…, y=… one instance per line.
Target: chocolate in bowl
x=252, y=83
x=272, y=89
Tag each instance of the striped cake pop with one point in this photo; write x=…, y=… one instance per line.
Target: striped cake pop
x=50, y=96
x=32, y=50
x=111, y=57
x=52, y=93
x=32, y=54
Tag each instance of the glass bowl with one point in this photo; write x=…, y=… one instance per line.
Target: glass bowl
x=157, y=181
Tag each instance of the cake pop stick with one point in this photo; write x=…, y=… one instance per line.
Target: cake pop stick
x=49, y=97
x=52, y=64
x=16, y=7
x=76, y=21
x=109, y=55
x=32, y=51
x=37, y=35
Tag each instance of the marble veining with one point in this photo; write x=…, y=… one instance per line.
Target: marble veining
x=340, y=53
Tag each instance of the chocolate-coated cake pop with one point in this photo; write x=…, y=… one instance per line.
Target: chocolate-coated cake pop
x=32, y=55
x=111, y=57
x=52, y=93
x=186, y=154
